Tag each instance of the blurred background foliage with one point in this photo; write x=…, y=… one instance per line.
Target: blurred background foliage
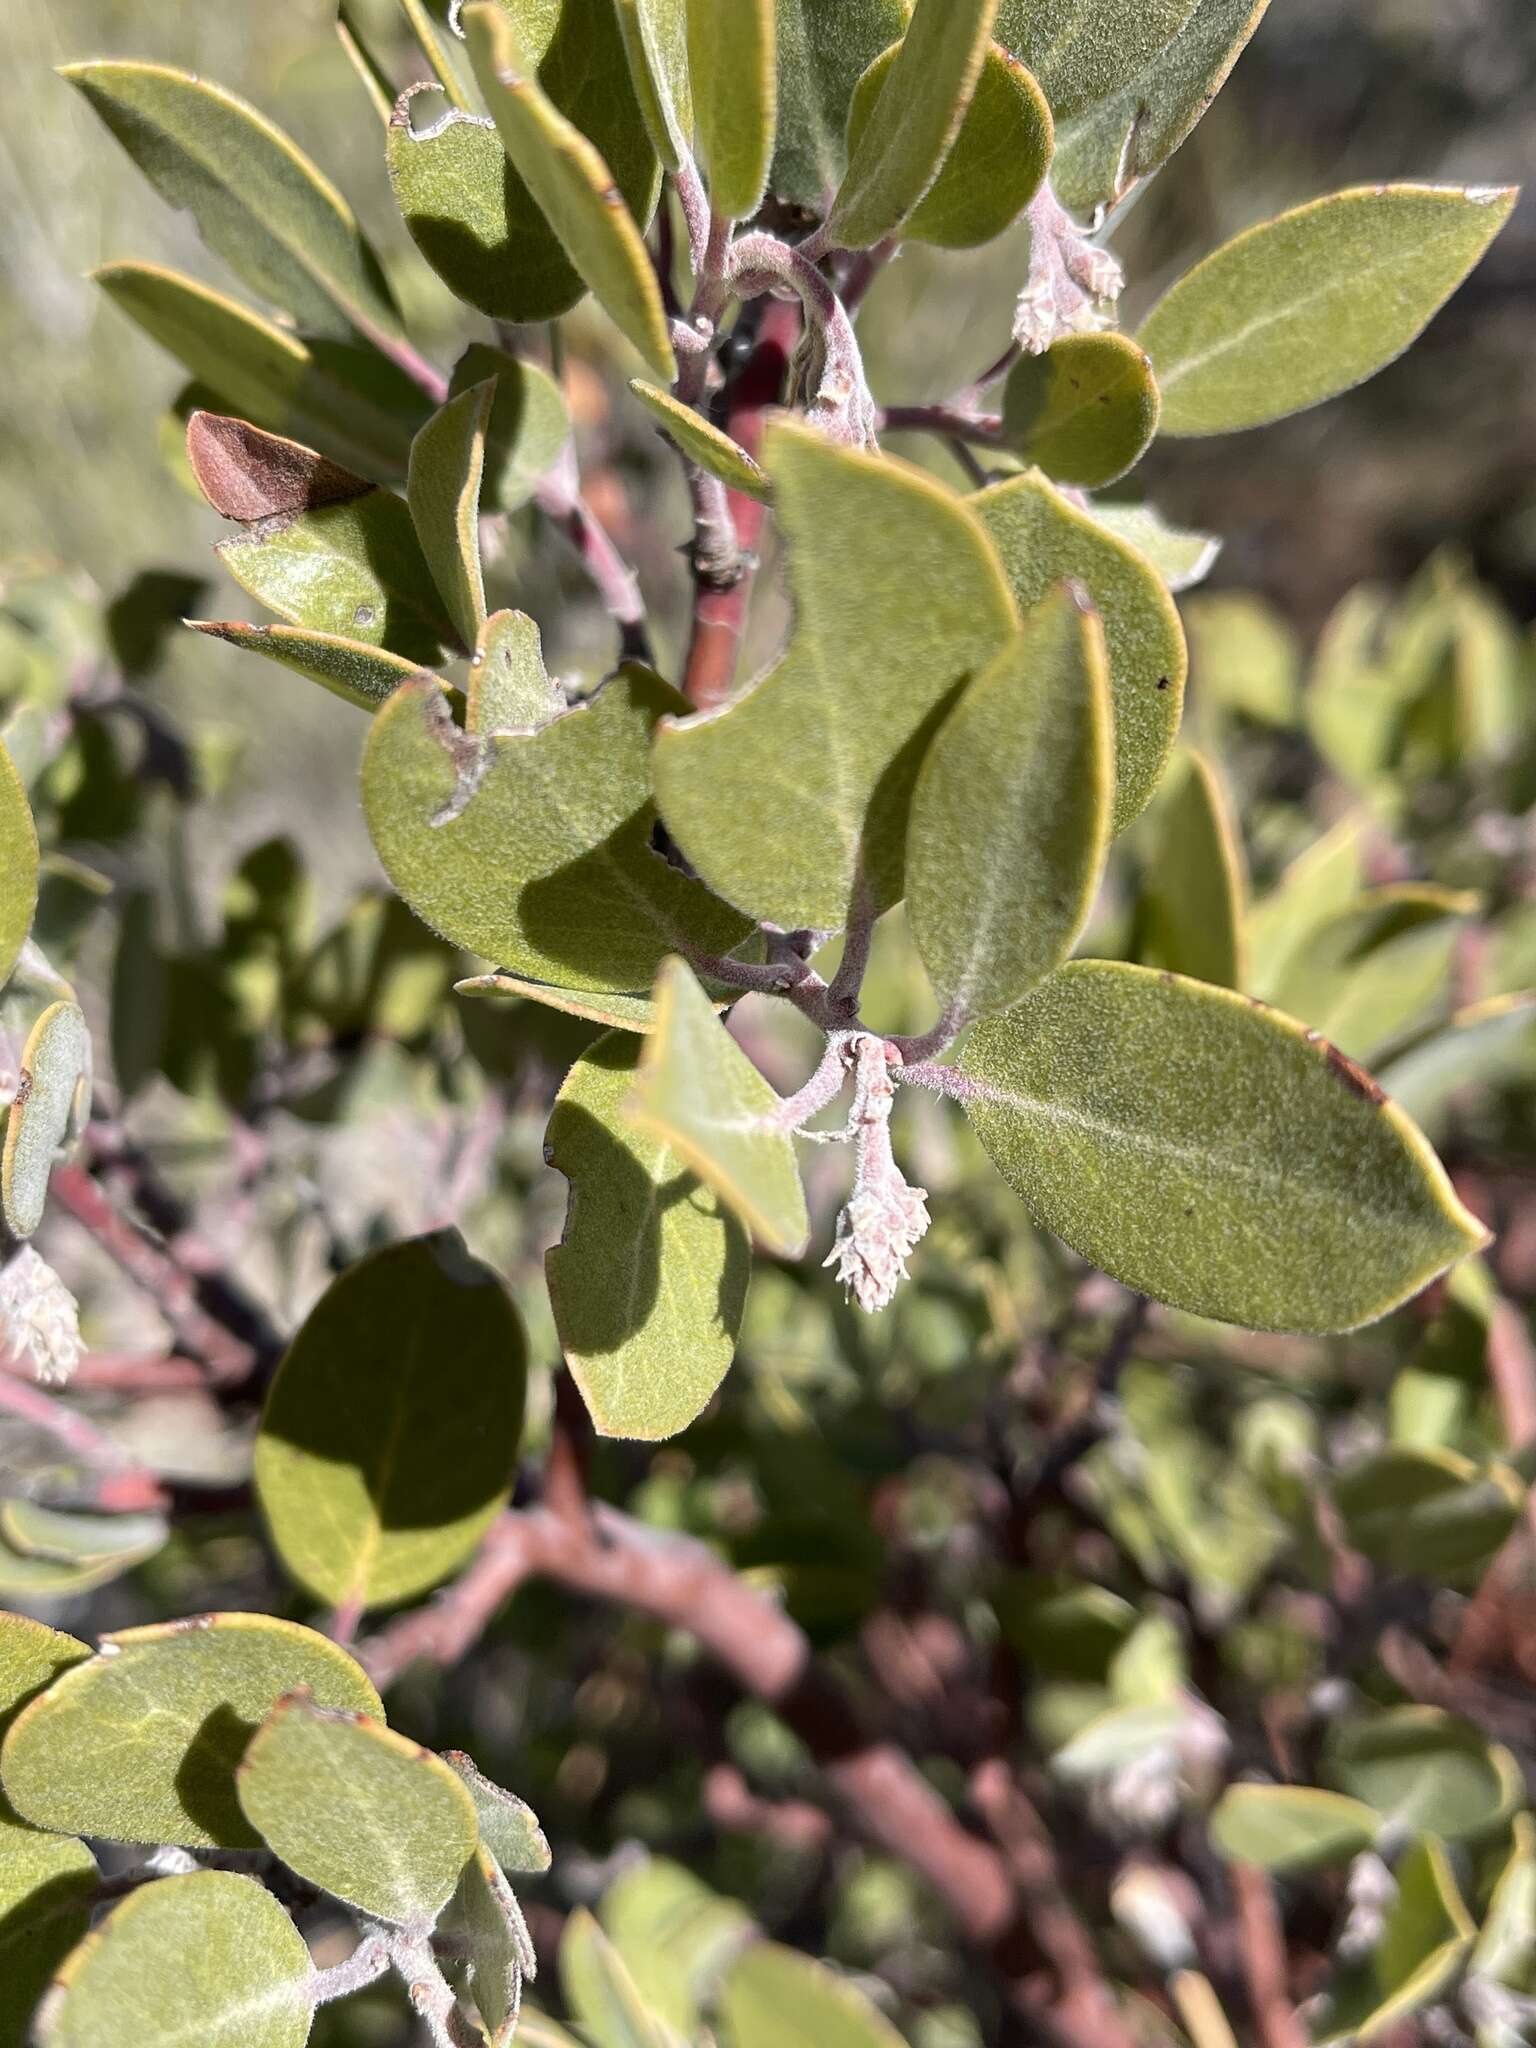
x=287, y=1057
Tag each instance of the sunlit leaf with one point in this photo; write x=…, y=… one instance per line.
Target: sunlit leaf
x=508, y=1828
x=776, y=1998
x=702, y=442
x=1423, y=1770
x=529, y=423
x=509, y=687
x=443, y=492
x=47, y=1887
x=1287, y=1828
x=1208, y=1152
x=1192, y=910
x=1425, y=1940
x=18, y=865
x=824, y=48
x=600, y=1991
x=1085, y=411
x=1415, y=1509
x=56, y=1055
x=350, y=669
x=656, y=38
x=484, y=1915
x=1082, y=51
x=1181, y=558
x=1309, y=304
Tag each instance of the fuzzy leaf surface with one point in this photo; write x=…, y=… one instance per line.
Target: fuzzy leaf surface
x=56, y=1055
x=374, y=1496
x=484, y=1914
x=795, y=795
x=509, y=1828
x=1084, y=50
x=349, y=669
x=1194, y=891
x=1085, y=411
x=358, y=1810
x=175, y=1705
x=917, y=116
x=529, y=423
x=542, y=861
x=700, y=1095
x=824, y=48
x=443, y=491
x=649, y=1280
x=702, y=442
x=1312, y=303
x=1042, y=540
x=257, y=200
x=1208, y=1152
x=509, y=686
x=18, y=865
x=996, y=162
x=656, y=38
x=210, y=1957
x=734, y=67
x=1010, y=818
x=571, y=181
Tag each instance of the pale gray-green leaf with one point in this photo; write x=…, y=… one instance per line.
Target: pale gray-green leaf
x=508, y=1827
x=824, y=48
x=373, y=1502
x=600, y=1991
x=1083, y=50
x=47, y=1888
x=703, y=442
x=1085, y=411
x=443, y=492
x=1043, y=540
x=1181, y=558
x=898, y=599
x=18, y=865
x=529, y=423
x=1209, y=1152
x=649, y=1280
x=776, y=1998
x=1192, y=911
x=699, y=1094
x=1314, y=302
x=349, y=669
x=56, y=1055
x=173, y=1705
x=484, y=1915
x=509, y=688
x=1010, y=817
x=733, y=62
x=1288, y=1828
x=656, y=38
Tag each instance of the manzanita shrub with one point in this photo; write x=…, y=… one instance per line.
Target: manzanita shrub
x=1190, y=1620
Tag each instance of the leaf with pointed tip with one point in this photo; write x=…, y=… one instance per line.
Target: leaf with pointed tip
x=1183, y=559
x=1085, y=411
x=257, y=200
x=649, y=1280
x=1289, y=1828
x=656, y=39
x=1124, y=138
x=484, y=1915
x=47, y=1888
x=700, y=1095
x=509, y=688
x=349, y=669
x=358, y=1810
x=621, y=1012
x=535, y=849
x=508, y=1827
x=1410, y=1508
x=313, y=390
x=443, y=492
x=1010, y=817
x=174, y=1705
x=1210, y=1152
x=371, y=1503
x=601, y=1993
x=529, y=423
x=995, y=164
x=794, y=797
x=733, y=64
x=210, y=1957
x=703, y=443
x=1194, y=888
x=1314, y=302
x=56, y=1055
x=824, y=48
x=1424, y=1943
x=18, y=866
x=1082, y=51
x=777, y=1998
x=921, y=105
x=1043, y=540
x=572, y=184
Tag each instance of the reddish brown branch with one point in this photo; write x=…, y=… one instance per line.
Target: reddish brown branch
x=118, y=1485
x=1261, y=1935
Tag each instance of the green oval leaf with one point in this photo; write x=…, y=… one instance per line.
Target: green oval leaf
x=600, y=1991
x=56, y=1055
x=1043, y=540
x=486, y=1918
x=508, y=1827
x=675, y=1937
x=1085, y=412
x=1082, y=51
x=1210, y=1152
x=776, y=1998
x=529, y=423
x=47, y=1888
x=898, y=598
x=443, y=491
x=517, y=847
x=571, y=182
x=228, y=1969
x=1287, y=1828
x=509, y=689
x=649, y=1280
x=733, y=63
x=1416, y=1509
x=656, y=40
x=621, y=1012
x=1192, y=907
x=1314, y=302
x=313, y=390
x=325, y=550
x=349, y=669
x=702, y=1097
x=174, y=1705
x=902, y=147
x=1123, y=138
x=374, y=1502
x=257, y=200
x=703, y=443
x=358, y=1810
x=18, y=865
x=1010, y=817
x=824, y=48
x=996, y=163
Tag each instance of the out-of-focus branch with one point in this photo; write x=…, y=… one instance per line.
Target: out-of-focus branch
x=118, y=1485
x=1261, y=1937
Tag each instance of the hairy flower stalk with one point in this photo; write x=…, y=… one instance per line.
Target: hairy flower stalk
x=885, y=1217
x=1072, y=284
x=39, y=1317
